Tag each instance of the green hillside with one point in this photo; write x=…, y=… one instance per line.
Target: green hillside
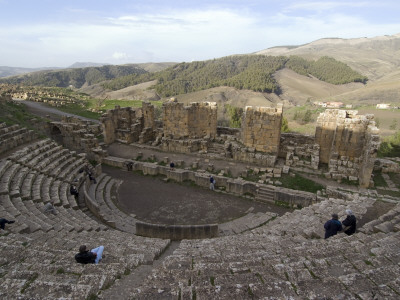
x=251, y=72
x=75, y=77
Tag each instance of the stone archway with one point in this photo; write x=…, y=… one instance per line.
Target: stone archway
x=55, y=134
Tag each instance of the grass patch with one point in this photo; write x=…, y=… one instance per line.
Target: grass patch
x=379, y=181
x=282, y=204
x=389, y=193
x=300, y=183
x=367, y=262
x=29, y=282
x=92, y=297
x=111, y=103
x=260, y=277
x=16, y=113
x=60, y=271
x=250, y=292
x=80, y=110
x=127, y=271
x=251, y=176
x=212, y=280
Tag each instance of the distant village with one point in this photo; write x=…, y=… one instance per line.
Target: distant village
x=349, y=106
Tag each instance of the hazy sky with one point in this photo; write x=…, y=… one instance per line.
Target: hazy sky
x=44, y=33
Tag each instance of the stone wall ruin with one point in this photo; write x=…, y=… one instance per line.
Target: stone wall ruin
x=261, y=128
x=78, y=135
x=128, y=125
x=345, y=141
x=348, y=144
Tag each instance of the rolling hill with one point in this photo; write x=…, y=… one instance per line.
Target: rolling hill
x=297, y=75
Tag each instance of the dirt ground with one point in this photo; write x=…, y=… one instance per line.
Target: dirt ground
x=153, y=200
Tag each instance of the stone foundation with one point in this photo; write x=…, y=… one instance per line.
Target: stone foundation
x=299, y=150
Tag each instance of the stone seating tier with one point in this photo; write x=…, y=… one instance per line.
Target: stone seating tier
x=28, y=181
x=99, y=195
x=42, y=266
x=252, y=266
x=14, y=136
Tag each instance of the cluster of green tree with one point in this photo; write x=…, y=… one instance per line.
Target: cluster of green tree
x=326, y=69
x=390, y=146
x=252, y=72
x=75, y=77
x=235, y=116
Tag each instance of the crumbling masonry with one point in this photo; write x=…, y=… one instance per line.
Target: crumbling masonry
x=345, y=141
x=348, y=144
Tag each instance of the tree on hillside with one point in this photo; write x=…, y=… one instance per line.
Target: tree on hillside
x=285, y=125
x=235, y=115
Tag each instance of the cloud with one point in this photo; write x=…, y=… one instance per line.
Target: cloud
x=180, y=34
x=324, y=5
x=120, y=56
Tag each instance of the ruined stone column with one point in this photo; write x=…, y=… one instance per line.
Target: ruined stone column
x=348, y=143
x=261, y=128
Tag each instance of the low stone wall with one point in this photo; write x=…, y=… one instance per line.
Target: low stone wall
x=184, y=146
x=176, y=232
x=228, y=131
x=234, y=186
x=387, y=165
x=294, y=198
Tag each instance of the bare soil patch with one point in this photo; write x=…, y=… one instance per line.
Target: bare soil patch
x=153, y=200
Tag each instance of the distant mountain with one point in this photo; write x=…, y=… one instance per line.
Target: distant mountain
x=77, y=77
x=12, y=71
x=378, y=58
x=372, y=57
x=85, y=65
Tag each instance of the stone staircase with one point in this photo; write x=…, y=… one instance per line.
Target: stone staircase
x=216, y=150
x=265, y=194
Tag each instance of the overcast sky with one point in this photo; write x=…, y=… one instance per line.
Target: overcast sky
x=53, y=33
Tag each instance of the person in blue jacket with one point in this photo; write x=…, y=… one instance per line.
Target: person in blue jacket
x=332, y=226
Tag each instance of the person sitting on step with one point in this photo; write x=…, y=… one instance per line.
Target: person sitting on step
x=89, y=257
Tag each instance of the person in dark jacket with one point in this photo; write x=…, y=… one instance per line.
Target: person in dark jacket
x=349, y=223
x=332, y=226
x=3, y=223
x=74, y=191
x=89, y=257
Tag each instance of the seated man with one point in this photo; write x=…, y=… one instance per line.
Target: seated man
x=89, y=257
x=332, y=226
x=74, y=191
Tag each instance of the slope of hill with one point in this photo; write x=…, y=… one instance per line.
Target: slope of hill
x=13, y=71
x=85, y=65
x=248, y=72
x=372, y=57
x=74, y=77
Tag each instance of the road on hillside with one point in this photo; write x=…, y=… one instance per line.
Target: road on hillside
x=42, y=110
